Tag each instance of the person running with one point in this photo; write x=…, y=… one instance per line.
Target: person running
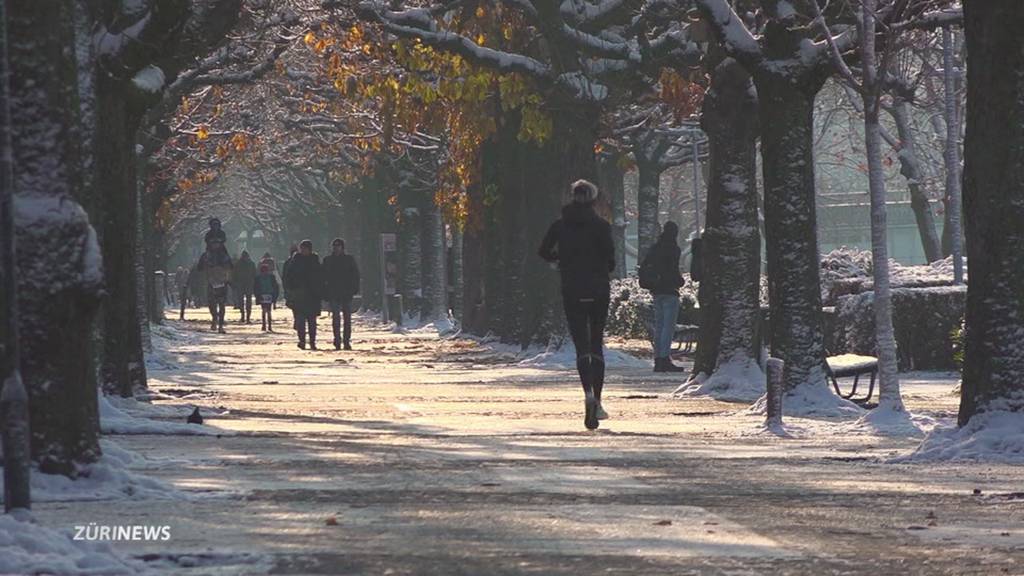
x=265, y=288
x=303, y=285
x=216, y=266
x=244, y=273
x=341, y=283
x=580, y=242
x=659, y=273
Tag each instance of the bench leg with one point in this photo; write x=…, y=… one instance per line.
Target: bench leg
x=871, y=387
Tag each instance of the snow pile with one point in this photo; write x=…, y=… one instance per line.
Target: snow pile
x=114, y=420
x=884, y=421
x=736, y=380
x=107, y=479
x=846, y=271
x=563, y=357
x=996, y=436
x=412, y=324
x=27, y=548
x=811, y=401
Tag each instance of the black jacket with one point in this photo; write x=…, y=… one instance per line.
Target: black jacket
x=303, y=284
x=581, y=243
x=664, y=254
x=341, y=277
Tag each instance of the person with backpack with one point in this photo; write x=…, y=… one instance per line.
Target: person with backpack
x=341, y=283
x=580, y=242
x=266, y=290
x=659, y=273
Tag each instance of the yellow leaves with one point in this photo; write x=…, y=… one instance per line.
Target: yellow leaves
x=240, y=142
x=481, y=39
x=480, y=12
x=309, y=38
x=202, y=133
x=318, y=45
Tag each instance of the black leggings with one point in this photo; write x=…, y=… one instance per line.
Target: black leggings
x=587, y=318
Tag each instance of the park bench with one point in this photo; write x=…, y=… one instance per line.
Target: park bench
x=852, y=366
x=685, y=337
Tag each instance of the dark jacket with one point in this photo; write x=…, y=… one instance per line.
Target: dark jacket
x=341, y=277
x=244, y=272
x=217, y=234
x=265, y=284
x=581, y=243
x=216, y=267
x=664, y=255
x=303, y=283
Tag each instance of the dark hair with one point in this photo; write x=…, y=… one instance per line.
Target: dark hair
x=338, y=242
x=306, y=244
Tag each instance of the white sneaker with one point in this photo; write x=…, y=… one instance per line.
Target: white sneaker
x=601, y=414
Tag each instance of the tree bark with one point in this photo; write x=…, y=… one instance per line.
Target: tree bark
x=647, y=198
x=610, y=181
x=994, y=209
x=910, y=168
x=952, y=157
x=786, y=106
x=410, y=234
x=730, y=282
x=58, y=259
x=435, y=306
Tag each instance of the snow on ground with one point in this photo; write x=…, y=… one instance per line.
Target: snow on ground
x=739, y=380
x=114, y=420
x=28, y=548
x=996, y=436
x=113, y=477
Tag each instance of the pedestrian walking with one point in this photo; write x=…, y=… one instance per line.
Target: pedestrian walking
x=659, y=273
x=580, y=242
x=303, y=284
x=215, y=233
x=181, y=282
x=216, y=265
x=265, y=288
x=242, y=277
x=341, y=283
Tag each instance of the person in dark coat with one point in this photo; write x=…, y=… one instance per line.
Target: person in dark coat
x=181, y=280
x=215, y=265
x=215, y=233
x=580, y=242
x=244, y=273
x=265, y=288
x=303, y=283
x=341, y=283
x=663, y=257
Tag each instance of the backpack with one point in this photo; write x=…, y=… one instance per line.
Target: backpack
x=648, y=274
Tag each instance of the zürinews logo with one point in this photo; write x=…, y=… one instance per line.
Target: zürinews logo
x=130, y=533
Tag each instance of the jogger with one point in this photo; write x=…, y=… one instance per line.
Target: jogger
x=581, y=243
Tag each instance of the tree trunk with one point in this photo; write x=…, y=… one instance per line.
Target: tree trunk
x=435, y=293
x=473, y=297
x=410, y=234
x=456, y=275
x=910, y=168
x=728, y=346
x=610, y=181
x=994, y=209
x=123, y=369
x=952, y=157
x=58, y=259
x=647, y=196
x=786, y=108
x=885, y=340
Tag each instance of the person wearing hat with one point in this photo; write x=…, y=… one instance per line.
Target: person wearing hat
x=580, y=242
x=341, y=283
x=662, y=260
x=303, y=286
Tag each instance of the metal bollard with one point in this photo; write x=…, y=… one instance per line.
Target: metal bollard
x=15, y=432
x=774, y=391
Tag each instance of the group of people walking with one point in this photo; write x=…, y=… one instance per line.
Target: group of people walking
x=307, y=283
x=580, y=243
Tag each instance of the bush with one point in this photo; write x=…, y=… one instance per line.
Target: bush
x=631, y=311
x=924, y=320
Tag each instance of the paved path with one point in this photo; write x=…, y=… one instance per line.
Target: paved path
x=412, y=455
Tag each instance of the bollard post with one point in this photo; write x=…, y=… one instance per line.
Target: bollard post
x=774, y=391
x=17, y=458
